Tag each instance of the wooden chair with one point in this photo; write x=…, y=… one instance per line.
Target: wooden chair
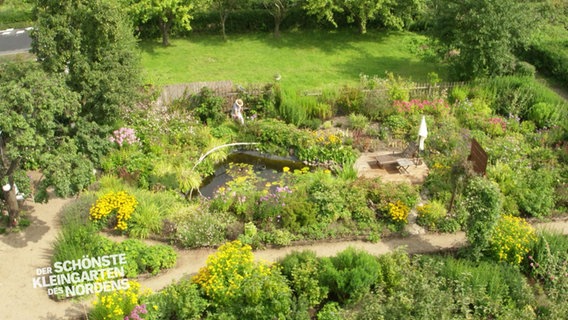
x=409, y=153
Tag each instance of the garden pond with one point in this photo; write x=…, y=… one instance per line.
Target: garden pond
x=268, y=168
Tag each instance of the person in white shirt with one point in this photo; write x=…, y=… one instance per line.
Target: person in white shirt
x=237, y=111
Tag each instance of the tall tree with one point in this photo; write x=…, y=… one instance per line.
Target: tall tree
x=166, y=13
x=225, y=8
x=392, y=13
x=481, y=35
x=399, y=14
x=361, y=11
x=38, y=110
x=323, y=9
x=91, y=41
x=279, y=10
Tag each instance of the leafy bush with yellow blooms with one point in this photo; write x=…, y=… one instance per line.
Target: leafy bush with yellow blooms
x=512, y=239
x=225, y=271
x=122, y=304
x=398, y=212
x=121, y=203
x=238, y=286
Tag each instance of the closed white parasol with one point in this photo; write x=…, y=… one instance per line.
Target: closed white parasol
x=422, y=133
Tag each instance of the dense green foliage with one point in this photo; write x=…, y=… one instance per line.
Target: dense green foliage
x=158, y=157
x=483, y=205
x=15, y=14
x=90, y=42
x=390, y=286
x=38, y=110
x=479, y=38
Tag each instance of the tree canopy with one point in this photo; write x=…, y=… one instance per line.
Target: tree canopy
x=92, y=43
x=479, y=37
x=166, y=13
x=38, y=112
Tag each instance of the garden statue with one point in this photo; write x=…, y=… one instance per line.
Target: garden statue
x=237, y=111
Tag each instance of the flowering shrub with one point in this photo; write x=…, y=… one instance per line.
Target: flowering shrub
x=417, y=106
x=327, y=149
x=512, y=239
x=270, y=204
x=121, y=203
x=225, y=271
x=496, y=126
x=549, y=264
x=124, y=136
x=237, y=285
x=398, y=212
x=121, y=304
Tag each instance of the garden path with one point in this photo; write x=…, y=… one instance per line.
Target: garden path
x=24, y=252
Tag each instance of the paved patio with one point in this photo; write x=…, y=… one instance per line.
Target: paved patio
x=367, y=167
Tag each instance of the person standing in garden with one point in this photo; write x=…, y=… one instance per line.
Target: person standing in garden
x=237, y=111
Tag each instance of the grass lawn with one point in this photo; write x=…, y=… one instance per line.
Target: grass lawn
x=15, y=14
x=305, y=60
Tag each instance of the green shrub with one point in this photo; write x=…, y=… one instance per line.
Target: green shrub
x=458, y=94
x=142, y=258
x=131, y=164
x=201, y=228
x=356, y=201
x=207, y=107
x=430, y=214
x=157, y=257
x=331, y=311
x=380, y=194
x=391, y=271
x=349, y=275
x=325, y=193
x=358, y=122
x=420, y=295
x=301, y=268
x=524, y=69
x=146, y=220
x=486, y=290
x=298, y=212
x=535, y=192
x=514, y=96
x=275, y=136
x=398, y=88
x=349, y=101
x=278, y=237
x=548, y=263
x=550, y=58
x=483, y=203
x=543, y=114
x=398, y=125
x=181, y=300
x=295, y=108
x=472, y=113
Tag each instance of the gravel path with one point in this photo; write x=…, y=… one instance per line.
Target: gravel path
x=24, y=252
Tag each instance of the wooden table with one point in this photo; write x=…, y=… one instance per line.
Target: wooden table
x=403, y=165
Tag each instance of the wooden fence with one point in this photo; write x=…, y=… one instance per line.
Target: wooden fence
x=229, y=91
x=225, y=89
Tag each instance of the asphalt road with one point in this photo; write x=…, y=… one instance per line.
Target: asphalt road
x=15, y=41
